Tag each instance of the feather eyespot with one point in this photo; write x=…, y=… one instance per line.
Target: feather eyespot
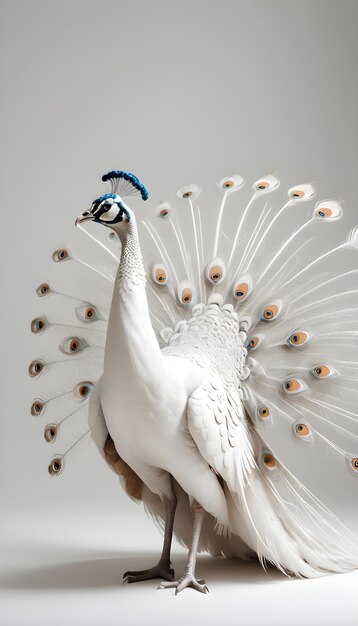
x=159, y=274
x=242, y=289
x=186, y=293
x=60, y=255
x=263, y=412
x=72, y=345
x=231, y=183
x=265, y=184
x=298, y=339
x=254, y=342
x=83, y=390
x=38, y=325
x=329, y=210
x=302, y=431
x=188, y=192
x=323, y=371
x=354, y=464
x=268, y=460
x=37, y=408
x=216, y=271
x=36, y=367
x=50, y=433
x=55, y=466
x=163, y=210
x=301, y=192
x=293, y=385
x=270, y=311
x=87, y=313
x=43, y=290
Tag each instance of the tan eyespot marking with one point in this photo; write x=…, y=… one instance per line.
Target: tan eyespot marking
x=37, y=407
x=187, y=295
x=187, y=194
x=55, y=466
x=262, y=184
x=292, y=385
x=354, y=464
x=298, y=338
x=302, y=430
x=321, y=371
x=164, y=212
x=74, y=345
x=297, y=193
x=90, y=313
x=60, y=255
x=38, y=325
x=324, y=212
x=264, y=411
x=216, y=273
x=254, y=342
x=35, y=368
x=270, y=312
x=43, y=290
x=83, y=390
x=268, y=460
x=50, y=433
x=161, y=275
x=228, y=183
x=241, y=291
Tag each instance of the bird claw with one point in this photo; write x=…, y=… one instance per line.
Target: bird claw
x=158, y=571
x=186, y=581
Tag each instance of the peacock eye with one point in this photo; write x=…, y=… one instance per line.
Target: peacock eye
x=263, y=411
x=268, y=460
x=216, y=271
x=87, y=313
x=354, y=464
x=298, y=339
x=38, y=325
x=43, y=290
x=60, y=255
x=270, y=311
x=159, y=274
x=37, y=407
x=293, y=385
x=36, y=367
x=301, y=192
x=72, y=345
x=268, y=183
x=323, y=371
x=163, y=210
x=186, y=293
x=254, y=342
x=188, y=192
x=302, y=430
x=55, y=466
x=242, y=289
x=231, y=183
x=329, y=210
x=50, y=433
x=83, y=390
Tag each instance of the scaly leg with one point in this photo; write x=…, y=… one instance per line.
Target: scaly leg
x=188, y=578
x=162, y=569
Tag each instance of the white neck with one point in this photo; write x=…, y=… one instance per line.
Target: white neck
x=132, y=350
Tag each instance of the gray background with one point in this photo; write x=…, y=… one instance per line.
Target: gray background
x=177, y=92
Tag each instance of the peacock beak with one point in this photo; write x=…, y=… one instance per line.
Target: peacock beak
x=85, y=217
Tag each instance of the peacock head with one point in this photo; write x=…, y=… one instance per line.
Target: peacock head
x=109, y=210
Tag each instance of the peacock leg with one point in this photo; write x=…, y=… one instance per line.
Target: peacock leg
x=188, y=578
x=162, y=569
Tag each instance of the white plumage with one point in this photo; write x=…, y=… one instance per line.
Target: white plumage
x=226, y=389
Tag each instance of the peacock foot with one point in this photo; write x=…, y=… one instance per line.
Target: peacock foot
x=188, y=580
x=158, y=571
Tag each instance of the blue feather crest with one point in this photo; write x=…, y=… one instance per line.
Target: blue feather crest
x=125, y=183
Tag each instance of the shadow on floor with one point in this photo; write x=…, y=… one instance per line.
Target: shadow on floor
x=107, y=572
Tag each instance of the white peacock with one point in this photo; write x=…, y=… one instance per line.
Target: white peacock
x=218, y=383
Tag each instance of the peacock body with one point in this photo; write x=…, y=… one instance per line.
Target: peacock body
x=222, y=377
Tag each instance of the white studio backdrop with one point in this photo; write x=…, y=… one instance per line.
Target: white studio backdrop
x=176, y=92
